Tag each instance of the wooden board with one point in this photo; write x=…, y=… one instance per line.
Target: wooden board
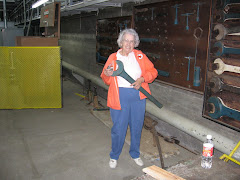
x=160, y=174
x=36, y=41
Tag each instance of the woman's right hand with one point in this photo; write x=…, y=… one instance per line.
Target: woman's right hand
x=108, y=71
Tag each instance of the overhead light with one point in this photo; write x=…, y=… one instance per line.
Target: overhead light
x=38, y=3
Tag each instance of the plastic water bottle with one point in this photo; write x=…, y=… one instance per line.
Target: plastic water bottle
x=207, y=153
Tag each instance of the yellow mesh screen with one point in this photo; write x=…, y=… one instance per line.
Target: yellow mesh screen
x=30, y=77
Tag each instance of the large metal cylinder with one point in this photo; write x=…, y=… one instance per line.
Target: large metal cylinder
x=188, y=126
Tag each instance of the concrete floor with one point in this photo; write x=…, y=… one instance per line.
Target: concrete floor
x=69, y=143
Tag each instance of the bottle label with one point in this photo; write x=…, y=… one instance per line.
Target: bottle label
x=207, y=150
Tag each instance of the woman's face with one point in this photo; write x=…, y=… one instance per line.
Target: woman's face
x=127, y=44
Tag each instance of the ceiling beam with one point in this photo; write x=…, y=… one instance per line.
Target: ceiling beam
x=82, y=4
x=8, y=1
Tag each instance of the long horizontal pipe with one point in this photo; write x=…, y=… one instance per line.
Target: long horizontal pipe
x=96, y=80
x=192, y=128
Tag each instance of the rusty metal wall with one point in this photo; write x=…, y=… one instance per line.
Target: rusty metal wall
x=222, y=94
x=187, y=42
x=174, y=35
x=107, y=34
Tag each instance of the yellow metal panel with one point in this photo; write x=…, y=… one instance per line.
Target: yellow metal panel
x=31, y=77
x=4, y=76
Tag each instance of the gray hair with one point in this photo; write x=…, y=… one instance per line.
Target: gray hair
x=128, y=31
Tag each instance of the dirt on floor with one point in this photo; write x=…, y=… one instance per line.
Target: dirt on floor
x=147, y=149
x=189, y=169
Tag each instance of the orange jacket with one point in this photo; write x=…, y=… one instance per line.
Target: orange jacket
x=149, y=73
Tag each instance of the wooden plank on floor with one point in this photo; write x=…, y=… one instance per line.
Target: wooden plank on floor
x=160, y=174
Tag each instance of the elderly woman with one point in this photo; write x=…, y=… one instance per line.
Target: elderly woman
x=127, y=104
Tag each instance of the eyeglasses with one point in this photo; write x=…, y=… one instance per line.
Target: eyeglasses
x=127, y=41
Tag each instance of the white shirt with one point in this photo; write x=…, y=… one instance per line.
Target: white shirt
x=131, y=67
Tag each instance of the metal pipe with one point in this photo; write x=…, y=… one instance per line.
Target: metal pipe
x=15, y=9
x=5, y=14
x=94, y=79
x=192, y=128
x=24, y=13
x=188, y=126
x=29, y=23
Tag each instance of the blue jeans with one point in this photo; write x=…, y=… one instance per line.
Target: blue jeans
x=132, y=113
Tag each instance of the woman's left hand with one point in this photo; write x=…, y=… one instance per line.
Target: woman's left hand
x=137, y=84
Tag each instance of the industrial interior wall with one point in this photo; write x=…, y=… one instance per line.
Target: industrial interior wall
x=79, y=49
x=30, y=77
x=78, y=41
